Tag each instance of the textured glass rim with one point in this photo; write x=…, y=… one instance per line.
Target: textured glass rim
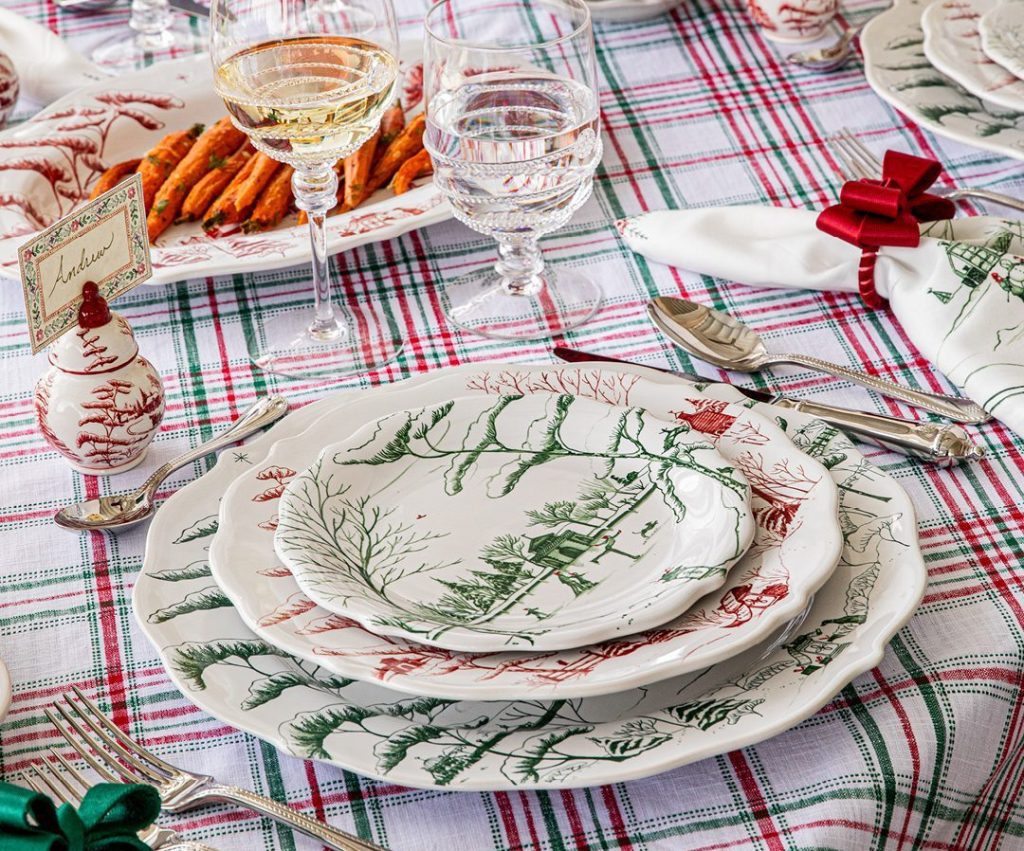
x=582, y=27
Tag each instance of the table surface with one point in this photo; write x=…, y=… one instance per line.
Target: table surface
x=698, y=109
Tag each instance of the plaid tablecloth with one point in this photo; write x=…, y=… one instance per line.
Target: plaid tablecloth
x=698, y=109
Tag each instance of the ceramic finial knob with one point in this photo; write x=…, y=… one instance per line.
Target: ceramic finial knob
x=100, y=403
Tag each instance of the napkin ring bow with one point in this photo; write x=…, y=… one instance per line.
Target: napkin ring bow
x=874, y=213
x=108, y=819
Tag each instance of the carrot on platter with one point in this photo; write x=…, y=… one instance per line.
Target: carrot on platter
x=357, y=171
x=209, y=187
x=408, y=142
x=113, y=176
x=237, y=200
x=391, y=124
x=210, y=151
x=274, y=204
x=160, y=161
x=418, y=165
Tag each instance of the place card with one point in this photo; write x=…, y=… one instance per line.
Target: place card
x=105, y=241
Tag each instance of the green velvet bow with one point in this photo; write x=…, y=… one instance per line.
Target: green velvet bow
x=110, y=816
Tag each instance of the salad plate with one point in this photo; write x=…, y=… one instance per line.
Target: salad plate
x=522, y=521
x=221, y=665
x=952, y=43
x=899, y=72
x=796, y=545
x=1002, y=35
x=50, y=162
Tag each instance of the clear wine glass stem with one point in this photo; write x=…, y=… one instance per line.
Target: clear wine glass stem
x=315, y=190
x=520, y=265
x=150, y=20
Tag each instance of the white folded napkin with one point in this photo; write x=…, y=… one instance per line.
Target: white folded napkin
x=959, y=294
x=47, y=66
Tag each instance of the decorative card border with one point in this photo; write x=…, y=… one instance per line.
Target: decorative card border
x=47, y=322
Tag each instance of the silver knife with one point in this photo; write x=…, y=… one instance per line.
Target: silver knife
x=940, y=444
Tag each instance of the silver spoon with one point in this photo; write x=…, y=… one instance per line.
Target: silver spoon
x=828, y=58
x=116, y=512
x=727, y=342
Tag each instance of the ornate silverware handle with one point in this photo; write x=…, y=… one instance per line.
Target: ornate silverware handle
x=986, y=195
x=941, y=444
x=951, y=407
x=266, y=411
x=321, y=832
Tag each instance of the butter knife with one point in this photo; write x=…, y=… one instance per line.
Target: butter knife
x=944, y=445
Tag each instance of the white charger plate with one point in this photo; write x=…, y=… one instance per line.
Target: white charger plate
x=535, y=521
x=900, y=73
x=796, y=546
x=246, y=682
x=1002, y=35
x=952, y=43
x=49, y=162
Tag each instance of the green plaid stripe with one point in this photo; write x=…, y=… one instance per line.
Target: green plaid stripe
x=698, y=109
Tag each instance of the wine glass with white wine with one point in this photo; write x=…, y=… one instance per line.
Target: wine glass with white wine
x=308, y=82
x=513, y=129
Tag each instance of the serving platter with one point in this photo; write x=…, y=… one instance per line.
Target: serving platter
x=899, y=72
x=532, y=521
x=49, y=162
x=796, y=545
x=227, y=670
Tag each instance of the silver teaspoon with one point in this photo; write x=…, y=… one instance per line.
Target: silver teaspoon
x=116, y=512
x=727, y=342
x=828, y=58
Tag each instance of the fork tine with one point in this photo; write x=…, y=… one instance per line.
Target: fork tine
x=115, y=731
x=74, y=773
x=865, y=160
x=54, y=778
x=151, y=775
x=89, y=741
x=865, y=151
x=82, y=750
x=849, y=154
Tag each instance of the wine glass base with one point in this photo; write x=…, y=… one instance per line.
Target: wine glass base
x=131, y=50
x=479, y=303
x=290, y=349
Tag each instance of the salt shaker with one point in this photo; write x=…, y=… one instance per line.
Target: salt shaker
x=100, y=403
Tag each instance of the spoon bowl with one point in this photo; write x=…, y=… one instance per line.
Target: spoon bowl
x=727, y=342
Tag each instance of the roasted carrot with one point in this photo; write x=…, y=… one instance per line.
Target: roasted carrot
x=418, y=165
x=210, y=151
x=391, y=124
x=113, y=176
x=209, y=187
x=240, y=196
x=357, y=169
x=409, y=141
x=274, y=204
x=161, y=160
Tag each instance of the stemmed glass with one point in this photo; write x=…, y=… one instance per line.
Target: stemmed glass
x=308, y=81
x=512, y=128
x=153, y=31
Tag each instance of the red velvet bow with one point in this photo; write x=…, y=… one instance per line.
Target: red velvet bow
x=873, y=213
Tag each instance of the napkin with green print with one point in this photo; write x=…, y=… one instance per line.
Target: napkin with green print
x=959, y=294
x=108, y=819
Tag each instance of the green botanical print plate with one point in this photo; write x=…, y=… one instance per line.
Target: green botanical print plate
x=432, y=742
x=796, y=546
x=536, y=521
x=899, y=72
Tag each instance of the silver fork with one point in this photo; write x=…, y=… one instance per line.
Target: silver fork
x=48, y=781
x=88, y=730
x=859, y=162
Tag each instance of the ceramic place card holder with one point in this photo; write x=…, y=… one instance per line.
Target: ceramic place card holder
x=100, y=403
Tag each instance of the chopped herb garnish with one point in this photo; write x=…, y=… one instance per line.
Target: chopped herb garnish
x=161, y=205
x=217, y=162
x=154, y=160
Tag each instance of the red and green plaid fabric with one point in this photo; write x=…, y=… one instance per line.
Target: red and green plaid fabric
x=698, y=109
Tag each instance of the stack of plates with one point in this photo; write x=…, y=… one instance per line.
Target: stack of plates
x=496, y=578
x=954, y=66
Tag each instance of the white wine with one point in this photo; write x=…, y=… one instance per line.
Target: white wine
x=308, y=99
